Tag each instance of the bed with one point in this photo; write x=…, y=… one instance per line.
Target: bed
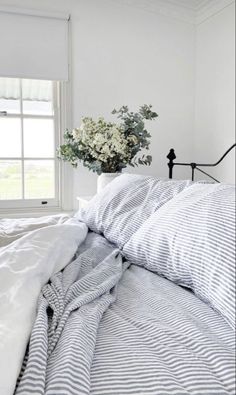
x=134, y=294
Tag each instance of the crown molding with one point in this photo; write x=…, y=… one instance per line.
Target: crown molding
x=33, y=12
x=162, y=7
x=210, y=8
x=189, y=11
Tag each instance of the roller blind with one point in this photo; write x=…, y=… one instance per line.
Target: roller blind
x=33, y=45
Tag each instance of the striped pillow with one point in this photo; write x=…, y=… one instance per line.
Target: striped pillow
x=191, y=241
x=125, y=203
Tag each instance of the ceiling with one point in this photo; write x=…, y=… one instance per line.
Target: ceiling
x=191, y=11
x=192, y=4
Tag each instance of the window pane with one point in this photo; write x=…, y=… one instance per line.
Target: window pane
x=39, y=138
x=10, y=137
x=37, y=97
x=10, y=180
x=39, y=179
x=10, y=95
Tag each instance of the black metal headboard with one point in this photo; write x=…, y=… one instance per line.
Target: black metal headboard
x=171, y=156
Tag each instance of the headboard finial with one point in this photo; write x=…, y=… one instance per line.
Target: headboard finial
x=171, y=156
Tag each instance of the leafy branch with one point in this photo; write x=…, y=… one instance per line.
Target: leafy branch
x=109, y=147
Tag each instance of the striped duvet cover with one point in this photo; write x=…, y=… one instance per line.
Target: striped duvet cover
x=106, y=327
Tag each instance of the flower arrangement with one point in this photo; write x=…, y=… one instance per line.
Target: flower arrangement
x=106, y=147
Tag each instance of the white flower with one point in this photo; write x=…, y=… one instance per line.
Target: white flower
x=77, y=134
x=103, y=141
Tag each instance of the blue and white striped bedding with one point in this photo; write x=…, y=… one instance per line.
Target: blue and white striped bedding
x=109, y=324
x=118, y=329
x=191, y=240
x=158, y=338
x=123, y=206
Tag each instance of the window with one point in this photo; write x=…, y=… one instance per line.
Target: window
x=29, y=136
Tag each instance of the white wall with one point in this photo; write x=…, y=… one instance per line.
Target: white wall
x=124, y=55
x=215, y=91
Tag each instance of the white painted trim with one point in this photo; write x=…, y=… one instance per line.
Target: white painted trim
x=66, y=171
x=13, y=205
x=184, y=11
x=36, y=204
x=10, y=115
x=26, y=157
x=162, y=7
x=34, y=12
x=64, y=202
x=56, y=114
x=32, y=213
x=212, y=9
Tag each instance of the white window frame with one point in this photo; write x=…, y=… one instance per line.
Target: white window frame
x=63, y=200
x=66, y=170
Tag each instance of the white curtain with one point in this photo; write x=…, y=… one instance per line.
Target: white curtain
x=33, y=46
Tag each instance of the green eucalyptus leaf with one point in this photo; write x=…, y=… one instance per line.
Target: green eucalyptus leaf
x=108, y=147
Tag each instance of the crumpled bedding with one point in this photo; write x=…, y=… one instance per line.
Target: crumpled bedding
x=12, y=229
x=102, y=325
x=26, y=265
x=105, y=327
x=70, y=309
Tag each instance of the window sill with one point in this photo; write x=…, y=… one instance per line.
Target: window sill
x=32, y=213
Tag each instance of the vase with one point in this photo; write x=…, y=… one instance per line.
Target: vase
x=104, y=179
